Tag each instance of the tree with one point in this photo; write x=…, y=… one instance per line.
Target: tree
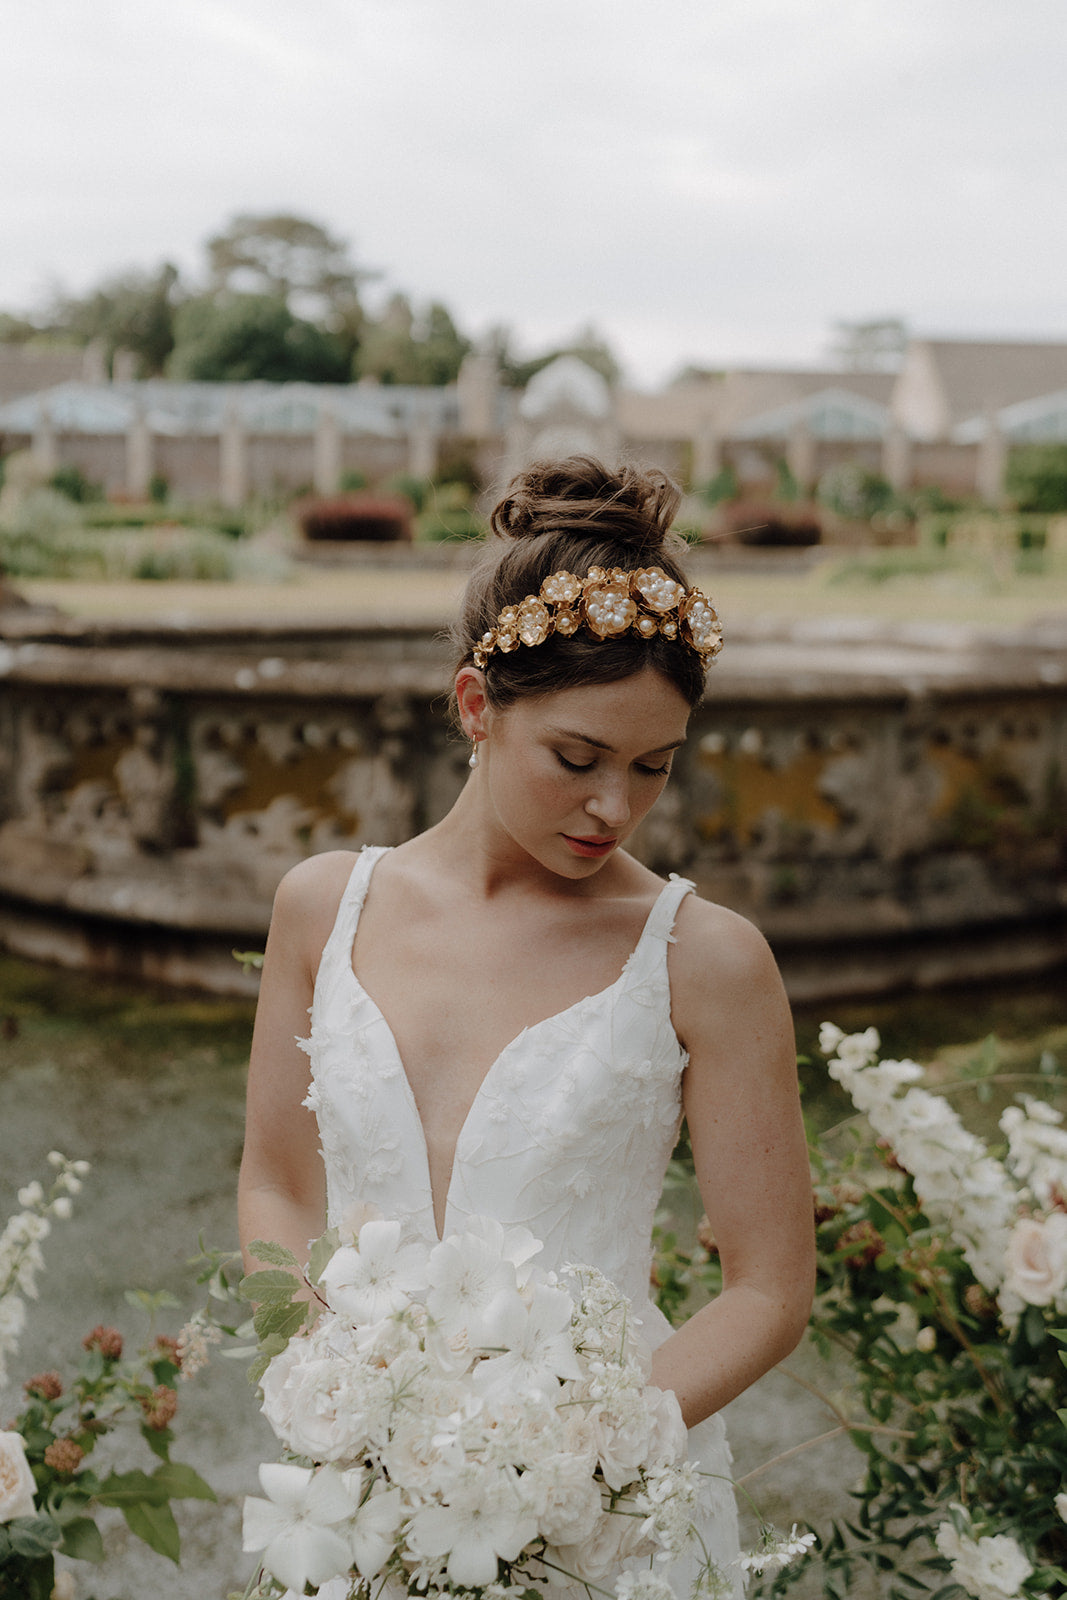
x=297, y=261
x=242, y=336
x=133, y=312
x=404, y=348
x=285, y=258
x=587, y=345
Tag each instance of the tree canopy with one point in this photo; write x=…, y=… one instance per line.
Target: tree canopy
x=280, y=299
x=240, y=336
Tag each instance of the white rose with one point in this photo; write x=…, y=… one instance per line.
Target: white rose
x=990, y=1568
x=564, y=1498
x=1036, y=1267
x=64, y=1588
x=17, y=1487
x=612, y=1540
x=670, y=1436
x=1061, y=1506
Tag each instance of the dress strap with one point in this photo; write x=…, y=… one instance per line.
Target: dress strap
x=663, y=914
x=649, y=960
x=337, y=951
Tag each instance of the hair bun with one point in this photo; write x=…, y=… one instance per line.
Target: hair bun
x=581, y=496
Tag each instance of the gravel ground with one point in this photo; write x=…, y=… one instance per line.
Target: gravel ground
x=149, y=1088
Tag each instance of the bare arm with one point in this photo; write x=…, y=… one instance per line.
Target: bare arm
x=281, y=1191
x=750, y=1154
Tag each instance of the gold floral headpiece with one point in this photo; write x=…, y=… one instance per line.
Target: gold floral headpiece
x=609, y=603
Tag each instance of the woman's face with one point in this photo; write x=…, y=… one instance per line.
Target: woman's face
x=569, y=775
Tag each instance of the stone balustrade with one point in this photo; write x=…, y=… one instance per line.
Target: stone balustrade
x=888, y=804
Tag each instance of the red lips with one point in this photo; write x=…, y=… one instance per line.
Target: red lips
x=592, y=849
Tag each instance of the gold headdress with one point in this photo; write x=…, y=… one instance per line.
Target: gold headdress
x=608, y=603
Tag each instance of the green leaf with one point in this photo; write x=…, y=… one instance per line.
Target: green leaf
x=158, y=1440
x=259, y=1366
x=322, y=1250
x=276, y=1254
x=123, y=1489
x=182, y=1483
x=1034, y=1326
x=270, y=1286
x=33, y=1537
x=284, y=1320
x=35, y=1580
x=81, y=1540
x=150, y=1300
x=155, y=1524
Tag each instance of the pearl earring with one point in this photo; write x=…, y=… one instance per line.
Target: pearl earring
x=473, y=762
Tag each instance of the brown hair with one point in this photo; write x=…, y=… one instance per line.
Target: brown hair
x=568, y=516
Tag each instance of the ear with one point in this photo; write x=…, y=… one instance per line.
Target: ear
x=475, y=713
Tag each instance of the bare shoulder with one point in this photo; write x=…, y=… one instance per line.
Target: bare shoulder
x=307, y=899
x=722, y=974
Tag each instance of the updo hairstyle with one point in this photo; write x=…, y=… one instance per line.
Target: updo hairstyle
x=568, y=516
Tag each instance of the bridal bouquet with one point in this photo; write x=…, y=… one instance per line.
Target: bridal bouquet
x=462, y=1421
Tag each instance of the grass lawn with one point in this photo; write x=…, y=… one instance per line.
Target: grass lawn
x=976, y=595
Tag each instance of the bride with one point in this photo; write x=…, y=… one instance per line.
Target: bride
x=509, y=1013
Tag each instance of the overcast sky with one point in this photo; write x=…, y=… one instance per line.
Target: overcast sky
x=708, y=180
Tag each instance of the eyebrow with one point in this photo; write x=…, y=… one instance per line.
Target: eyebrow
x=600, y=744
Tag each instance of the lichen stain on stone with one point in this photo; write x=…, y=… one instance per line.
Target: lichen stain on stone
x=309, y=779
x=96, y=762
x=750, y=789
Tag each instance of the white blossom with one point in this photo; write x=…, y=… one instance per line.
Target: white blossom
x=368, y=1282
x=777, y=1550
x=992, y=1567
x=296, y=1527
x=957, y=1181
x=484, y=1521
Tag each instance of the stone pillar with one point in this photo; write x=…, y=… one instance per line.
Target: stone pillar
x=140, y=462
x=800, y=455
x=896, y=458
x=326, y=472
x=45, y=444
x=422, y=450
x=124, y=364
x=477, y=390
x=233, y=459
x=992, y=462
x=707, y=454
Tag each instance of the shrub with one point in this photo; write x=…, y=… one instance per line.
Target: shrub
x=854, y=491
x=724, y=486
x=1036, y=479
x=72, y=482
x=355, y=516
x=416, y=490
x=773, y=525
x=441, y=523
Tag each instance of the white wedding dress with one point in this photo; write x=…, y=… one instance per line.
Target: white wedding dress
x=569, y=1136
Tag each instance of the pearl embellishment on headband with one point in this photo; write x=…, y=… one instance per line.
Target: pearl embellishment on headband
x=608, y=604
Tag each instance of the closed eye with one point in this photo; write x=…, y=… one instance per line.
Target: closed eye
x=654, y=772
x=575, y=766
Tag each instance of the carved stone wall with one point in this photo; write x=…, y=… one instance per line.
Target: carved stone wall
x=890, y=807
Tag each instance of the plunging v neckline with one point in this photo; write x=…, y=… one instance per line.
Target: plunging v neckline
x=479, y=1093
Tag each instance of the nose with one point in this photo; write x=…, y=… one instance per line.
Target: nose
x=610, y=802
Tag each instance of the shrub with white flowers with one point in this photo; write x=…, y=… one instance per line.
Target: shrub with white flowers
x=943, y=1275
